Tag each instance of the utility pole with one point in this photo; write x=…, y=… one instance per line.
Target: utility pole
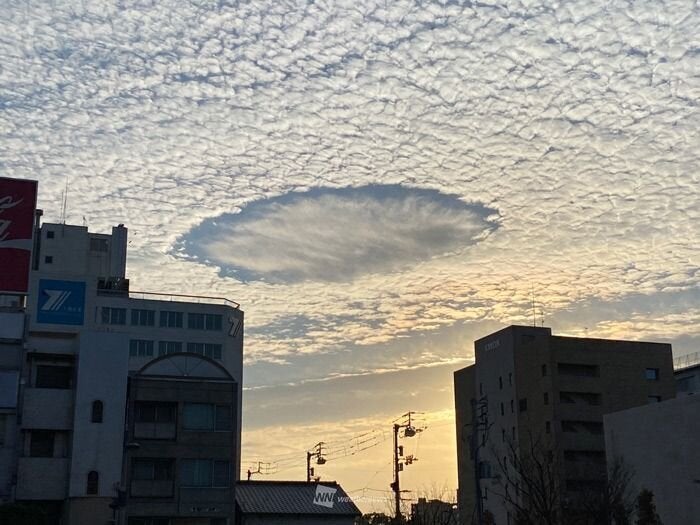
x=396, y=486
x=317, y=453
x=409, y=431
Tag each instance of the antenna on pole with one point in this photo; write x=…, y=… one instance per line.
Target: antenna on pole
x=64, y=204
x=534, y=310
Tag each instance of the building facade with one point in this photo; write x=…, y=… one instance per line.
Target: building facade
x=75, y=350
x=534, y=395
x=659, y=443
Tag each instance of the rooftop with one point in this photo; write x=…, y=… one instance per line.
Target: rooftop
x=292, y=497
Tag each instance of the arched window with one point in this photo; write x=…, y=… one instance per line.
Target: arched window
x=97, y=409
x=93, y=481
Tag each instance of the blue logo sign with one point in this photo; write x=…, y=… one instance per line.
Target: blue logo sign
x=61, y=302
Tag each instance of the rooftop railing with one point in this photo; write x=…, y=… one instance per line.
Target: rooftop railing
x=174, y=297
x=686, y=361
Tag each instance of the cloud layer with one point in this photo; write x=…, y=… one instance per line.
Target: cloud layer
x=578, y=120
x=338, y=235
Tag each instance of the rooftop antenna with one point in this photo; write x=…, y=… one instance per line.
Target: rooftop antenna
x=64, y=204
x=534, y=310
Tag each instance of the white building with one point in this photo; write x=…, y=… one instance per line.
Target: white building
x=658, y=442
x=66, y=363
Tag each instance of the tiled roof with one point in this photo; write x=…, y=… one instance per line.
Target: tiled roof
x=291, y=497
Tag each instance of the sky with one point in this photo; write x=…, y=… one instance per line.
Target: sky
x=377, y=183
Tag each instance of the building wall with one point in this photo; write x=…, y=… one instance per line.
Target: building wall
x=688, y=380
x=659, y=443
x=495, y=380
x=101, y=375
x=176, y=500
x=526, y=374
x=465, y=392
x=98, y=353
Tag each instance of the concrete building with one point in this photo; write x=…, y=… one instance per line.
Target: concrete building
x=660, y=444
x=531, y=393
x=293, y=503
x=86, y=341
x=687, y=373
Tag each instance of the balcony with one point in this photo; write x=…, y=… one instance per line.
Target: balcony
x=42, y=478
x=151, y=489
x=155, y=430
x=48, y=408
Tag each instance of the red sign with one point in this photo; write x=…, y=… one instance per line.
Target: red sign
x=17, y=207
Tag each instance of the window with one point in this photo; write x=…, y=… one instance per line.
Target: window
x=512, y=407
x=151, y=412
x=547, y=427
x=41, y=443
x=578, y=370
x=544, y=370
x=484, y=470
x=143, y=317
x=97, y=410
x=503, y=435
x=113, y=315
x=205, y=473
x=590, y=427
x=171, y=319
x=481, y=389
x=203, y=416
x=50, y=234
x=93, y=481
x=503, y=410
x=204, y=322
x=153, y=469
x=512, y=433
x=169, y=347
x=522, y=405
x=652, y=374
x=140, y=348
x=545, y=397
x=581, y=398
x=52, y=376
x=98, y=245
x=654, y=399
x=211, y=350
x=500, y=382
x=48, y=259
x=510, y=379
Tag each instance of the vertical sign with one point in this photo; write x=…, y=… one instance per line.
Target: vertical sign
x=17, y=208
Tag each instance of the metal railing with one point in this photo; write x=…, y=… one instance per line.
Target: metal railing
x=686, y=361
x=174, y=297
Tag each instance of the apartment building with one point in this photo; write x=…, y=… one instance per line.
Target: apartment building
x=78, y=351
x=532, y=393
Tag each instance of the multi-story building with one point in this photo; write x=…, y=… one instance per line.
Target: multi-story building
x=78, y=360
x=534, y=395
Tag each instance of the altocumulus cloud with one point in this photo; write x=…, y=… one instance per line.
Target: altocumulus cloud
x=338, y=234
